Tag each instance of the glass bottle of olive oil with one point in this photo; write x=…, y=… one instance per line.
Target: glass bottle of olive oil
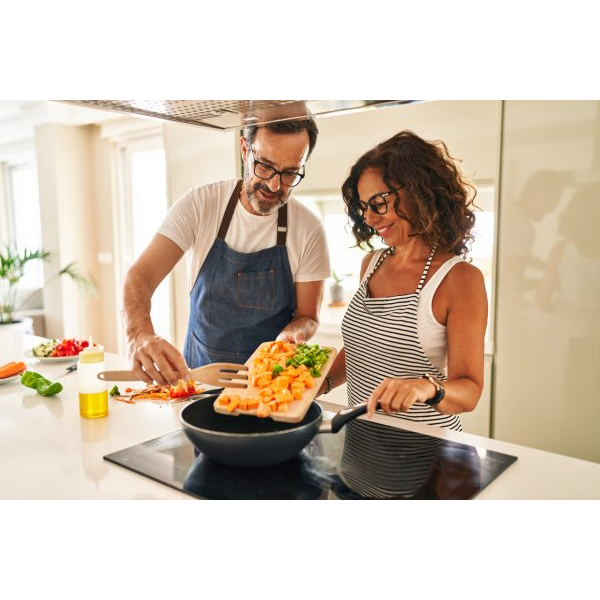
x=93, y=396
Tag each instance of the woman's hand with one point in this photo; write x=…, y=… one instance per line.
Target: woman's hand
x=398, y=395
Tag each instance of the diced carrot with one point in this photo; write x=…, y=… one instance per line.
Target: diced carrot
x=263, y=410
x=252, y=403
x=283, y=407
x=297, y=394
x=309, y=381
x=280, y=383
x=224, y=400
x=233, y=404
x=264, y=380
x=283, y=396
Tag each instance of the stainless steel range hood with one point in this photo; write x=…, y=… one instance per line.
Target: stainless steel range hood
x=225, y=115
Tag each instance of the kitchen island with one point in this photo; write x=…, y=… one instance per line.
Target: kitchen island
x=47, y=451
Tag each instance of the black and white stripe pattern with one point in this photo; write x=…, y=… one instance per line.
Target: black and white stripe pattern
x=381, y=340
x=384, y=462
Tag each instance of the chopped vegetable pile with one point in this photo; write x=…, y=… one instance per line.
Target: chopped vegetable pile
x=38, y=382
x=312, y=356
x=281, y=372
x=180, y=391
x=57, y=348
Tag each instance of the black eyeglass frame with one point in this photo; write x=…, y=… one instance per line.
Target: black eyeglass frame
x=274, y=170
x=361, y=207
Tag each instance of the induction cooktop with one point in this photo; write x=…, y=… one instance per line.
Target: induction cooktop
x=366, y=460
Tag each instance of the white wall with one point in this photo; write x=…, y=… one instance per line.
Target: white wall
x=106, y=246
x=469, y=129
x=69, y=229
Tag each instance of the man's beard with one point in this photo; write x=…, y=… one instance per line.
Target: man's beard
x=262, y=206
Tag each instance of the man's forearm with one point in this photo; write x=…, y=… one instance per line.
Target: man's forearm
x=137, y=302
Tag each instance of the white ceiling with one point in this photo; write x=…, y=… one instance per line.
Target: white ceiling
x=19, y=117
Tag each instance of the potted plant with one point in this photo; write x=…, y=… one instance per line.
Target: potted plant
x=12, y=269
x=337, y=289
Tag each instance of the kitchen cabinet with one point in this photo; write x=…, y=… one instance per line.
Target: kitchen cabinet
x=548, y=293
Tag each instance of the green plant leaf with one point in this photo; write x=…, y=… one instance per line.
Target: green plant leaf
x=87, y=285
x=12, y=269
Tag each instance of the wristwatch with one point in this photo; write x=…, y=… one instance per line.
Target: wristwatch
x=439, y=386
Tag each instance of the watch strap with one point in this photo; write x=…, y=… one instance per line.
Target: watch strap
x=441, y=392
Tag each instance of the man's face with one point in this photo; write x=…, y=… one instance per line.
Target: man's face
x=282, y=151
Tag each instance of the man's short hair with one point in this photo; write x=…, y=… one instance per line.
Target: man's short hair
x=291, y=126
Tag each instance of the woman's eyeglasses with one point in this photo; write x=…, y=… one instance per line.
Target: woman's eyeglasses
x=379, y=204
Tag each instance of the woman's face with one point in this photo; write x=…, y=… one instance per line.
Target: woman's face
x=394, y=229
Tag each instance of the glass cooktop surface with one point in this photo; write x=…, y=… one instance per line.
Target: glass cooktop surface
x=365, y=460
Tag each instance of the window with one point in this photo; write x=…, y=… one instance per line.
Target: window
x=22, y=209
x=142, y=207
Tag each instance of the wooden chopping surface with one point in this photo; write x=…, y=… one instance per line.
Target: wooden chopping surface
x=297, y=408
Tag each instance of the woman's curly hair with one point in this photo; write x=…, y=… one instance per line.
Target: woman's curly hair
x=439, y=195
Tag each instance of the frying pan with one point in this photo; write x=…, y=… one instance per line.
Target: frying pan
x=247, y=441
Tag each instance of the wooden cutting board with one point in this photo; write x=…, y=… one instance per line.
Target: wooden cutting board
x=297, y=409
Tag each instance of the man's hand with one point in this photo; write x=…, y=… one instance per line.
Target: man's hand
x=154, y=359
x=293, y=336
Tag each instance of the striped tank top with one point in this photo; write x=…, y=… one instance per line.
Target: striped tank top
x=381, y=340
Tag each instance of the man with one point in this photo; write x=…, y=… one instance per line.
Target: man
x=258, y=260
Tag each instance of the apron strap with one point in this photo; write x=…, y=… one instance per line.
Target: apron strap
x=229, y=211
x=282, y=225
x=281, y=217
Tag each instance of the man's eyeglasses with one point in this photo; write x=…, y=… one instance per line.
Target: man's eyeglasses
x=378, y=203
x=264, y=171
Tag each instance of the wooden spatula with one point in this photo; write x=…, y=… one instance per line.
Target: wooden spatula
x=230, y=375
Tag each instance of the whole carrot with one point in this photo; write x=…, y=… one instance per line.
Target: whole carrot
x=12, y=368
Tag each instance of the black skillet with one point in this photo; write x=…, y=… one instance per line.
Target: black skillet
x=245, y=441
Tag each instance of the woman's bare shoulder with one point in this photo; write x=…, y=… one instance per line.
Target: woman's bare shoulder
x=464, y=277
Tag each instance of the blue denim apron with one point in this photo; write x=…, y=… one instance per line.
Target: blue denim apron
x=239, y=300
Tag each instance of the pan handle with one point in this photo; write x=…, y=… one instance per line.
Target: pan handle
x=342, y=418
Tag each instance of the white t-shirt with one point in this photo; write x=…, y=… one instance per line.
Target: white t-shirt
x=194, y=220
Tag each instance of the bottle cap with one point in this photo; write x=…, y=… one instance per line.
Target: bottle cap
x=91, y=354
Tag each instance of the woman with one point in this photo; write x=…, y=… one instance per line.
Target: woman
x=414, y=331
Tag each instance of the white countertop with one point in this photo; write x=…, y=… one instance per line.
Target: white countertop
x=48, y=451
